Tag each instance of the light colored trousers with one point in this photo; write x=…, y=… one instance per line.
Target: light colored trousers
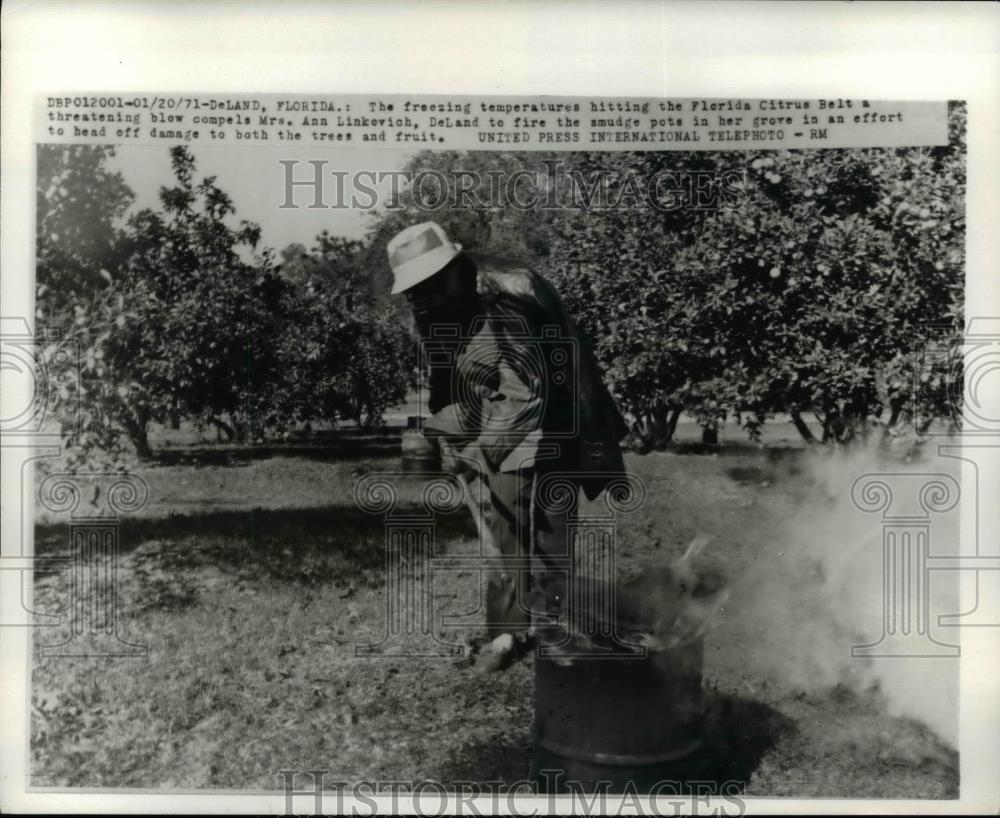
x=529, y=585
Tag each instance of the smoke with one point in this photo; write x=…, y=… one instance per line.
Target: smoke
x=816, y=589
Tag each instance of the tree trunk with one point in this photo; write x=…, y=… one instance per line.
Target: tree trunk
x=241, y=431
x=672, y=423
x=896, y=409
x=661, y=428
x=141, y=441
x=657, y=423
x=225, y=428
x=800, y=426
x=137, y=426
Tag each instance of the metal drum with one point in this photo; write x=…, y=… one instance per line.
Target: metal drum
x=420, y=455
x=616, y=716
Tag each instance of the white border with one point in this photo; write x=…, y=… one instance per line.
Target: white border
x=876, y=51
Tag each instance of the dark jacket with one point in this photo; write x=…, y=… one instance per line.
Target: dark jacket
x=531, y=393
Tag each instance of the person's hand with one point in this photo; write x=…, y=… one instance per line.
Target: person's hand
x=449, y=458
x=450, y=461
x=467, y=463
x=449, y=425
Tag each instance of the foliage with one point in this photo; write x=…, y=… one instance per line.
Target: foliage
x=78, y=248
x=813, y=288
x=343, y=355
x=469, y=195
x=199, y=344
x=814, y=294
x=173, y=314
x=78, y=204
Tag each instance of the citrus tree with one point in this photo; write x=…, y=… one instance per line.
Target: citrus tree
x=811, y=294
x=344, y=354
x=175, y=312
x=79, y=208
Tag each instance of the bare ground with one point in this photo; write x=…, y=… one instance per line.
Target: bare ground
x=250, y=582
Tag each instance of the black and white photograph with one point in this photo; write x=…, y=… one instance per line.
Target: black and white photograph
x=414, y=451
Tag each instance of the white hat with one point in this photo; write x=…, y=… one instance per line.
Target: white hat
x=417, y=253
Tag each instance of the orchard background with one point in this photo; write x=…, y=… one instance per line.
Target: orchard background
x=813, y=300
x=251, y=387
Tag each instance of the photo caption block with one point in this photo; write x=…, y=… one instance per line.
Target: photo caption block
x=449, y=122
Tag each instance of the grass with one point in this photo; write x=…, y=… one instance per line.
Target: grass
x=252, y=581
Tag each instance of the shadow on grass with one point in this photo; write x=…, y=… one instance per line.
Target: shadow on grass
x=738, y=733
x=331, y=447
x=304, y=545
x=735, y=448
x=777, y=465
x=501, y=758
x=336, y=445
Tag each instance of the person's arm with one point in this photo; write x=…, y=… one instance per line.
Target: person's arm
x=512, y=411
x=502, y=401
